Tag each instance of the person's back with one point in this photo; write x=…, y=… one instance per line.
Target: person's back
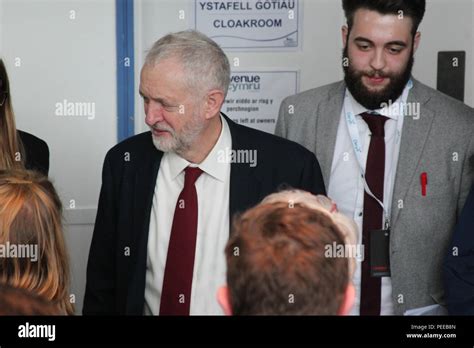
x=32, y=243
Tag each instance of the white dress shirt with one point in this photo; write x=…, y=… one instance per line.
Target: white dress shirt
x=346, y=186
x=212, y=189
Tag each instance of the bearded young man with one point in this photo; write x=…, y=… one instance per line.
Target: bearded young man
x=168, y=195
x=396, y=155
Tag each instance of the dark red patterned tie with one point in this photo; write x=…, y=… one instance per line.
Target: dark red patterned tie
x=177, y=282
x=373, y=212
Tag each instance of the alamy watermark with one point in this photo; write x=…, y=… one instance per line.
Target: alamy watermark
x=336, y=250
x=77, y=109
x=22, y=251
x=408, y=109
x=28, y=330
x=237, y=156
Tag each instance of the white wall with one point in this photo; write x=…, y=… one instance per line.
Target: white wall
x=448, y=26
x=72, y=59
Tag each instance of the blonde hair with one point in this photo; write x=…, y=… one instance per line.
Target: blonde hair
x=31, y=214
x=323, y=204
x=11, y=148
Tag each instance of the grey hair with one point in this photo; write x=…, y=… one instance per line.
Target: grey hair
x=204, y=62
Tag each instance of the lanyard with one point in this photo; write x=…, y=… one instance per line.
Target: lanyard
x=358, y=150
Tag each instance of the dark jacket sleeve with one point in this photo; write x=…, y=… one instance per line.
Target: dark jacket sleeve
x=36, y=153
x=100, y=295
x=458, y=268
x=312, y=177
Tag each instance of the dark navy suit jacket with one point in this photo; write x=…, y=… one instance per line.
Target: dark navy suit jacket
x=458, y=270
x=36, y=153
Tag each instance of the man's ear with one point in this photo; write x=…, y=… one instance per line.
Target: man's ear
x=416, y=41
x=224, y=299
x=348, y=301
x=345, y=33
x=214, y=101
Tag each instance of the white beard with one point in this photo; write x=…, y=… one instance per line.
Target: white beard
x=165, y=145
x=179, y=143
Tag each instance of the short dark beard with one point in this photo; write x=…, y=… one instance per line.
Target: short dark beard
x=375, y=100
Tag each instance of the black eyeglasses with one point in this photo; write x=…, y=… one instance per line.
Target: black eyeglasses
x=3, y=98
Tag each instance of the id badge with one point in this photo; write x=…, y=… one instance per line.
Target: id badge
x=379, y=253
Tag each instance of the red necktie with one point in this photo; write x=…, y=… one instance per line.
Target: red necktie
x=373, y=212
x=177, y=282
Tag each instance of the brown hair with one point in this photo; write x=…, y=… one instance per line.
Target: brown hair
x=277, y=265
x=11, y=149
x=31, y=214
x=15, y=301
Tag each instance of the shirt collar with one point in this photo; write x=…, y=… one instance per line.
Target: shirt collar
x=211, y=164
x=391, y=111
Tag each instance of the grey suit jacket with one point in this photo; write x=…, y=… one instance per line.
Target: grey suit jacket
x=439, y=143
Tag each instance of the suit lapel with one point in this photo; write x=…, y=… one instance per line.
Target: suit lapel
x=145, y=181
x=244, y=183
x=241, y=188
x=328, y=115
x=414, y=135
x=144, y=188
